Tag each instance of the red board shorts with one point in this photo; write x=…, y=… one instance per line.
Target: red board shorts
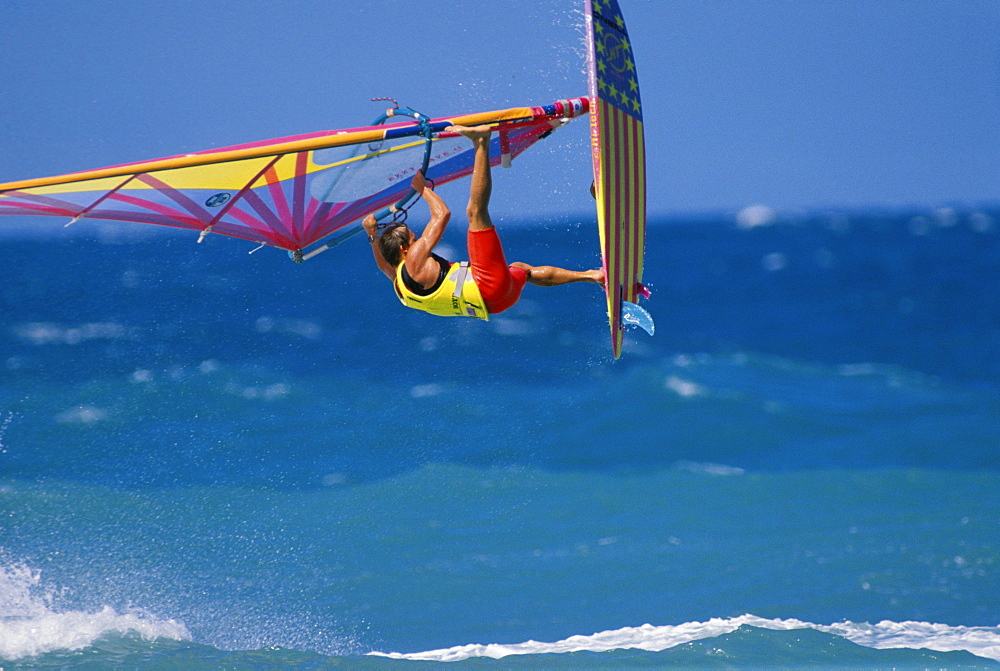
x=499, y=284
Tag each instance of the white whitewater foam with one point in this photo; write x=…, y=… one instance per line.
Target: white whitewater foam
x=29, y=625
x=981, y=641
x=47, y=333
x=753, y=216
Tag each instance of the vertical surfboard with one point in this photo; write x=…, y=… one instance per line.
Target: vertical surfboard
x=618, y=150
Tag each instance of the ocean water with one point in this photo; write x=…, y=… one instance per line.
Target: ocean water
x=215, y=459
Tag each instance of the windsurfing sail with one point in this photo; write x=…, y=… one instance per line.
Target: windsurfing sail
x=292, y=192
x=619, y=156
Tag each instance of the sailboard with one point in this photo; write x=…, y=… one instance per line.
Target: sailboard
x=304, y=193
x=618, y=152
x=307, y=193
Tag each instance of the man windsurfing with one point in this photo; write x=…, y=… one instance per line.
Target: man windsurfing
x=486, y=284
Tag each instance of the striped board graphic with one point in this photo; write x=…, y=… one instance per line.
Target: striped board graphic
x=618, y=150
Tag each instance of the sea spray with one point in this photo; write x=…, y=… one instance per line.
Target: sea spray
x=30, y=623
x=4, y=423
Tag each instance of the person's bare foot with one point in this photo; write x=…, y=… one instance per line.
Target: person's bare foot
x=596, y=276
x=474, y=133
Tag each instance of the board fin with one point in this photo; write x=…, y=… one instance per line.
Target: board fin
x=635, y=315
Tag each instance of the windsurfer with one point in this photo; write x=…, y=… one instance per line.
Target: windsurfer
x=428, y=282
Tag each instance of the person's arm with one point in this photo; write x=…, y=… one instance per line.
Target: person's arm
x=420, y=252
x=370, y=226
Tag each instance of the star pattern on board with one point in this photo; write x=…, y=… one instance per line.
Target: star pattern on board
x=616, y=76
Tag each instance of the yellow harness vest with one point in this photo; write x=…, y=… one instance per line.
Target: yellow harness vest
x=458, y=295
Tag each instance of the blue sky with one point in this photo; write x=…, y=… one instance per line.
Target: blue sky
x=800, y=104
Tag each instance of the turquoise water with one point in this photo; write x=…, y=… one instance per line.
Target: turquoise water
x=209, y=458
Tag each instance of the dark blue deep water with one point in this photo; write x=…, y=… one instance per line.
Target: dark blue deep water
x=210, y=458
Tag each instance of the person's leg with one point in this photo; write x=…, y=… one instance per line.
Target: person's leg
x=481, y=186
x=499, y=288
x=486, y=256
x=551, y=276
